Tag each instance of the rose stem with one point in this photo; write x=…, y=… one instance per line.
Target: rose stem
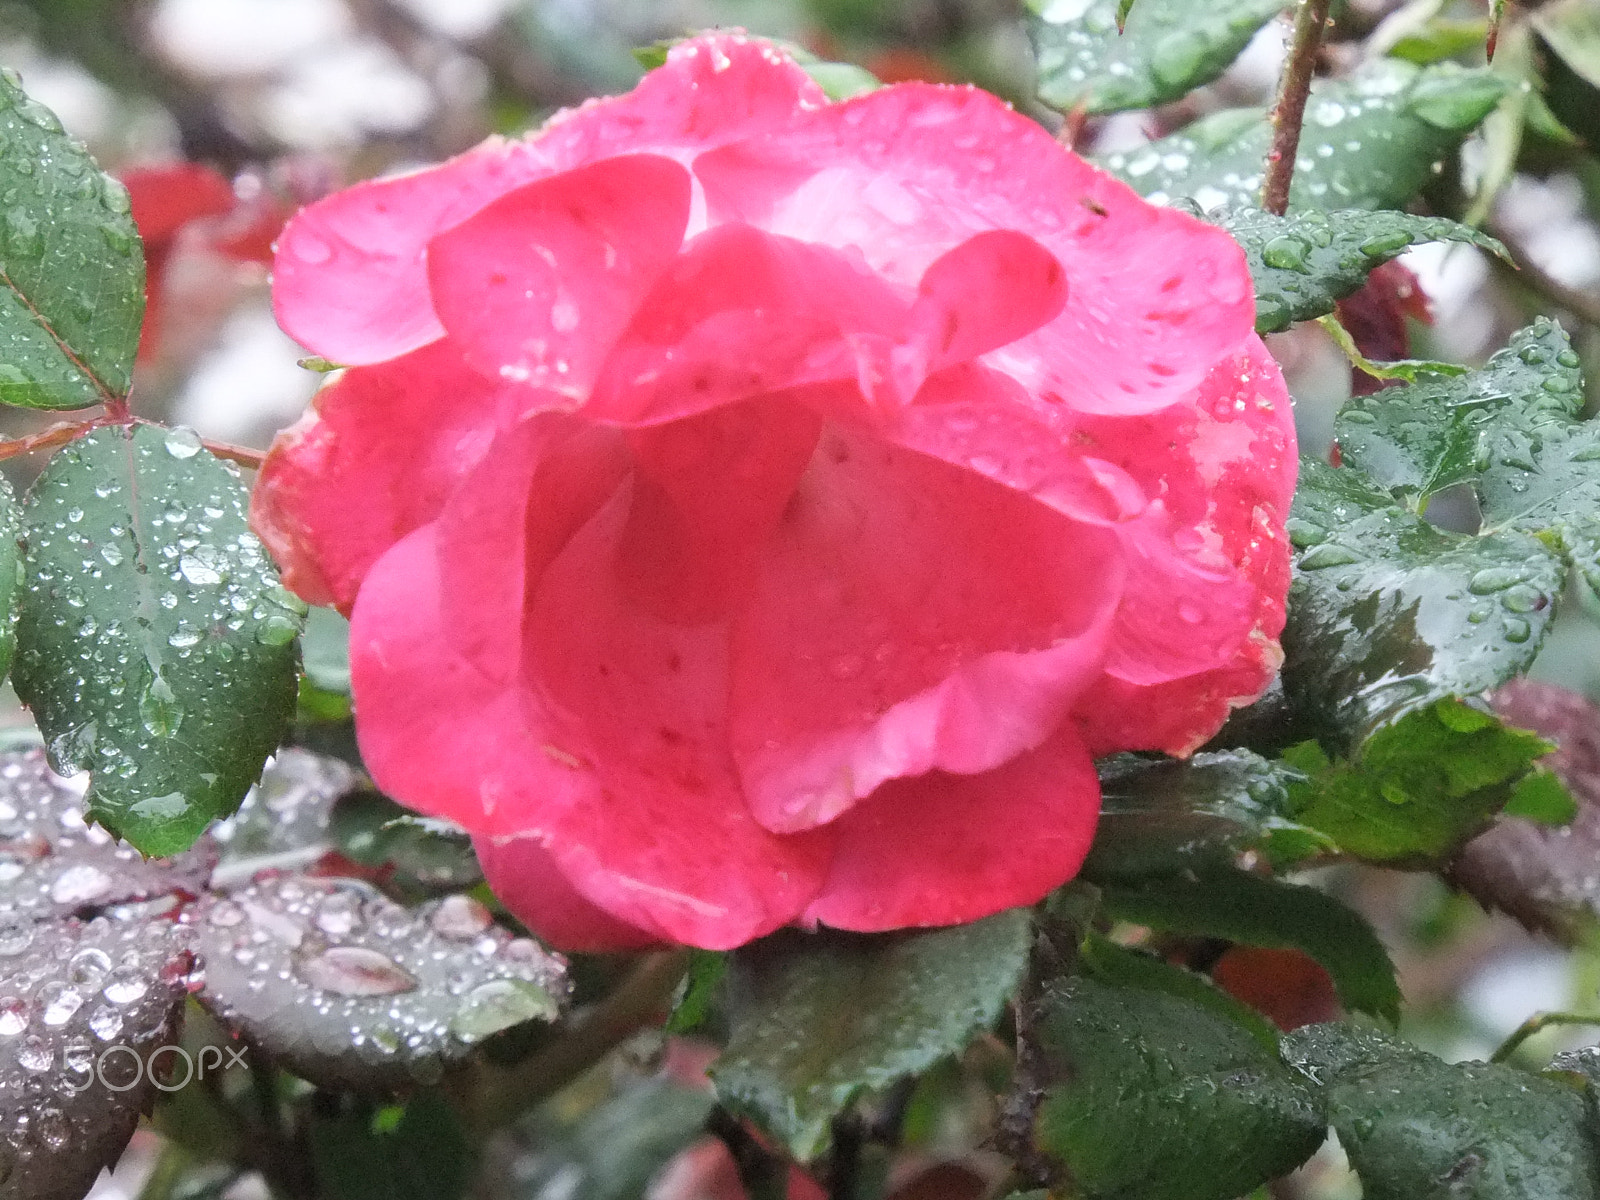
x=1290, y=110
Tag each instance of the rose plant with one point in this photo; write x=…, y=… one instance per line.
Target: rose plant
x=783, y=499
x=833, y=564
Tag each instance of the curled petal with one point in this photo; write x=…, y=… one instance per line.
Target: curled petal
x=528, y=882
x=377, y=456
x=535, y=286
x=906, y=173
x=908, y=616
x=939, y=849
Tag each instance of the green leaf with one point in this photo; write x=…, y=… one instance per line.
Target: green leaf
x=1542, y=797
x=1088, y=60
x=353, y=992
x=155, y=645
x=1107, y=962
x=873, y=1009
x=1150, y=1095
x=1304, y=262
x=1418, y=787
x=71, y=267
x=1388, y=614
x=698, y=992
x=1401, y=119
x=1161, y=817
x=1259, y=911
x=1417, y=1128
x=1409, y=370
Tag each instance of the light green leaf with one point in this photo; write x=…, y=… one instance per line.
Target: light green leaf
x=71, y=267
x=1369, y=141
x=1166, y=49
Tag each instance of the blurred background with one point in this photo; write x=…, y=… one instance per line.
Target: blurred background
x=223, y=116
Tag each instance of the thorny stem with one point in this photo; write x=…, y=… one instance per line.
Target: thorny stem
x=1537, y=1024
x=1289, y=113
x=116, y=413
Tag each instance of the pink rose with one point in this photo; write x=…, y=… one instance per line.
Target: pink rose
x=756, y=510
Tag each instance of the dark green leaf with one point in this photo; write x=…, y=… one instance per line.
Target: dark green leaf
x=156, y=647
x=74, y=990
x=1419, y=787
x=613, y=1150
x=10, y=573
x=1388, y=613
x=1105, y=961
x=1166, y=49
x=1417, y=1128
x=1259, y=911
x=873, y=1009
x=1161, y=817
x=1401, y=119
x=350, y=990
x=422, y=1155
x=71, y=269
x=1153, y=1096
x=1304, y=262
x=418, y=856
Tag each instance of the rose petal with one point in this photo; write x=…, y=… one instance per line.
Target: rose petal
x=941, y=849
x=1226, y=467
x=377, y=455
x=670, y=846
x=905, y=173
x=535, y=286
x=350, y=277
x=528, y=882
x=742, y=313
x=908, y=615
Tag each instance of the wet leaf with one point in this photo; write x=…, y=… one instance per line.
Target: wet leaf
x=155, y=644
x=1090, y=60
x=1399, y=118
x=93, y=975
x=1549, y=879
x=1389, y=614
x=1304, y=262
x=1259, y=911
x=284, y=821
x=698, y=992
x=1152, y=1095
x=1418, y=788
x=350, y=990
x=1417, y=1128
x=71, y=267
x=818, y=1019
x=1163, y=817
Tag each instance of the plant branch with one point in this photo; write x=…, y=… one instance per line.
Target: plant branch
x=1289, y=113
x=1583, y=305
x=765, y=1176
x=1537, y=1024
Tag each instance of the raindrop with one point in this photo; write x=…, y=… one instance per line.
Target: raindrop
x=355, y=971
x=182, y=442
x=1495, y=579
x=1329, y=554
x=500, y=1004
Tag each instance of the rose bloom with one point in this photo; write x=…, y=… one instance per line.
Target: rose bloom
x=754, y=510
